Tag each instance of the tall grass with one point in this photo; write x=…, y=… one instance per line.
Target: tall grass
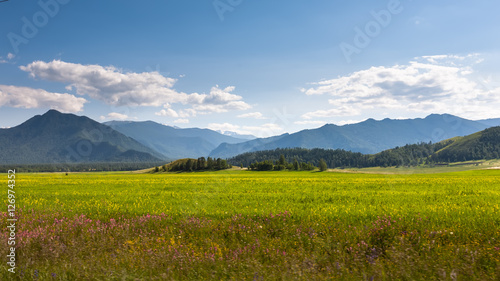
x=243, y=225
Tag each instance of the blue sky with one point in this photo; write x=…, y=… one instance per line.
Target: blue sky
x=256, y=67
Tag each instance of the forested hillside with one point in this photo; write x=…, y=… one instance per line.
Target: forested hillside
x=478, y=146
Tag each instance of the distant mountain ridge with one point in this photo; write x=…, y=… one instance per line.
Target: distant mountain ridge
x=483, y=145
x=174, y=142
x=227, y=150
x=236, y=135
x=490, y=122
x=368, y=137
x=55, y=137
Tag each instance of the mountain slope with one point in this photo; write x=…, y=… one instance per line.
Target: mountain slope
x=227, y=150
x=481, y=145
x=367, y=137
x=174, y=142
x=478, y=146
x=55, y=137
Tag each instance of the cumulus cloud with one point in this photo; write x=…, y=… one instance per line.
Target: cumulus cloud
x=167, y=112
x=24, y=97
x=113, y=86
x=118, y=88
x=431, y=84
x=255, y=115
x=219, y=100
x=109, y=84
x=115, y=116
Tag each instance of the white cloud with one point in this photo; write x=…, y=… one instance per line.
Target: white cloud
x=431, y=84
x=187, y=113
x=224, y=127
x=10, y=56
x=115, y=116
x=24, y=97
x=452, y=60
x=167, y=112
x=183, y=113
x=181, y=121
x=255, y=115
x=115, y=87
x=264, y=130
x=219, y=100
x=109, y=84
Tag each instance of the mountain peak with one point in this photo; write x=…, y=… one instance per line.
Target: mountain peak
x=55, y=114
x=52, y=112
x=444, y=115
x=56, y=137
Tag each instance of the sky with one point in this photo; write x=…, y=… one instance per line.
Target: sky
x=251, y=67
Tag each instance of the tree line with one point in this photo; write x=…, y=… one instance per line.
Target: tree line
x=192, y=165
x=283, y=164
x=408, y=155
x=78, y=167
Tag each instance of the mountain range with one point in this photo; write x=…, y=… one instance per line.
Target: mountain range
x=479, y=146
x=55, y=137
x=368, y=137
x=174, y=142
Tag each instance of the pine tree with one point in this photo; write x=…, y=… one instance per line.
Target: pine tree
x=189, y=166
x=282, y=160
x=296, y=166
x=322, y=165
x=210, y=163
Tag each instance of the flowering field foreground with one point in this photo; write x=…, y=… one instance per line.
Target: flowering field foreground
x=257, y=226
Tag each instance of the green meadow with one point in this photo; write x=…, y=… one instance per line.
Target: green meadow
x=242, y=225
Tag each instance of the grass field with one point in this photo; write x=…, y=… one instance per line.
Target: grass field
x=425, y=169
x=241, y=225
